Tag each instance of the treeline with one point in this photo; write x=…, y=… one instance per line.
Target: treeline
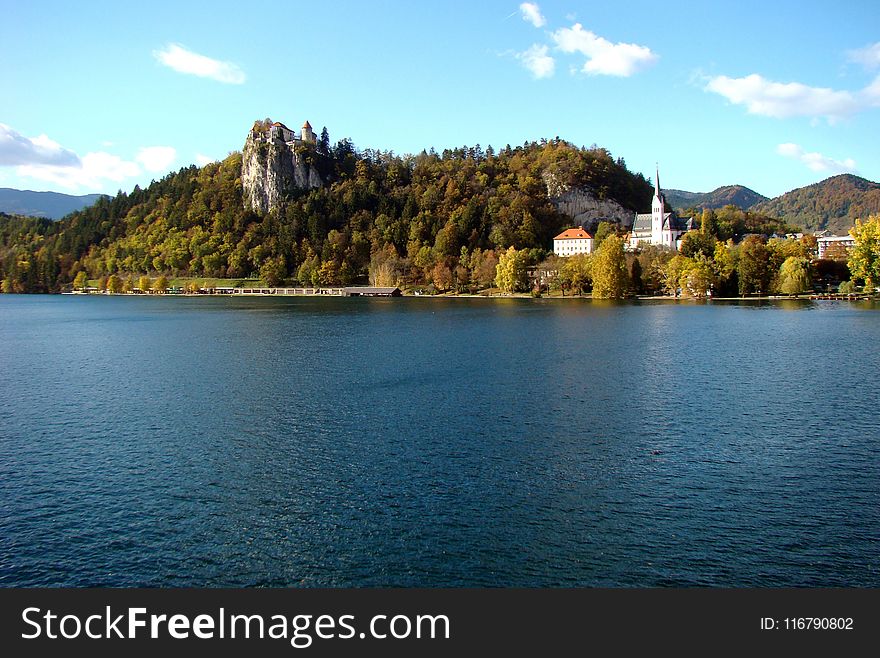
x=706, y=265
x=436, y=219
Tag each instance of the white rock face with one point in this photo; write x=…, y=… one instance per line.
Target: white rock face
x=270, y=172
x=583, y=206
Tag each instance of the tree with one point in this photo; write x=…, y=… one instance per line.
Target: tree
x=610, y=279
x=709, y=223
x=724, y=265
x=160, y=285
x=510, y=274
x=483, y=267
x=794, y=275
x=441, y=276
x=273, y=270
x=699, y=278
x=576, y=273
x=145, y=284
x=753, y=267
x=114, y=284
x=81, y=280
x=864, y=258
x=386, y=267
x=674, y=273
x=603, y=231
x=697, y=242
x=635, y=277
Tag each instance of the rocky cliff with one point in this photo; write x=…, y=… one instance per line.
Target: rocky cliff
x=584, y=207
x=271, y=171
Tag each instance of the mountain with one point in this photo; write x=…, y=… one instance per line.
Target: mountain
x=833, y=204
x=729, y=195
x=53, y=205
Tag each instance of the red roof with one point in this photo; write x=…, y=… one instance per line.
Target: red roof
x=278, y=123
x=572, y=233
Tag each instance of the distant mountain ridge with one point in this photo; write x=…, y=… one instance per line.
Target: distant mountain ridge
x=53, y=205
x=833, y=204
x=736, y=195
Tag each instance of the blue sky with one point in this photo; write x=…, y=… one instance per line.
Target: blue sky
x=99, y=96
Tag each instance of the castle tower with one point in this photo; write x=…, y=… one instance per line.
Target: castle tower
x=307, y=134
x=658, y=210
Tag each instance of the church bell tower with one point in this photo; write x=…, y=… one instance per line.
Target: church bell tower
x=658, y=210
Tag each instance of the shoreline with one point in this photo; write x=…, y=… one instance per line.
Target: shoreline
x=859, y=297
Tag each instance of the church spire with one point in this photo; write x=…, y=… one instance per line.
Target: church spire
x=657, y=181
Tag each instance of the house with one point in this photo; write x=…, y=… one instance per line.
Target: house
x=659, y=227
x=573, y=241
x=825, y=242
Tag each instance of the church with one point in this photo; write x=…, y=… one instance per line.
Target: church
x=659, y=227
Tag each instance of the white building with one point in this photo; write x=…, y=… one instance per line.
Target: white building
x=658, y=227
x=825, y=241
x=573, y=241
x=278, y=131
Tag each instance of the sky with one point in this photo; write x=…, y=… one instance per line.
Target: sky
x=100, y=96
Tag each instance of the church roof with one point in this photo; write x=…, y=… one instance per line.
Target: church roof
x=670, y=220
x=307, y=125
x=573, y=233
x=280, y=125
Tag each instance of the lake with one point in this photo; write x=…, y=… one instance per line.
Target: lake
x=428, y=442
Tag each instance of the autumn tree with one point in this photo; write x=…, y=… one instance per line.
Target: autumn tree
x=114, y=284
x=386, y=267
x=80, y=281
x=576, y=273
x=160, y=285
x=794, y=275
x=697, y=242
x=864, y=258
x=511, y=274
x=273, y=271
x=610, y=276
x=753, y=266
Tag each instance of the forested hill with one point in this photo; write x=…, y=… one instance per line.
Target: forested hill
x=729, y=195
x=834, y=204
x=428, y=217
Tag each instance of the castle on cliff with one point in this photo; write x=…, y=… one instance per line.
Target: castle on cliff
x=273, y=169
x=267, y=131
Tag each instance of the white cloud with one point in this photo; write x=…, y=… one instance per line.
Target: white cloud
x=816, y=161
x=869, y=56
x=16, y=149
x=182, y=60
x=531, y=13
x=782, y=100
x=536, y=60
x=156, y=158
x=93, y=170
x=203, y=160
x=603, y=57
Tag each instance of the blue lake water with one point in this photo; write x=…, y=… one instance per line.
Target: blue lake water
x=427, y=442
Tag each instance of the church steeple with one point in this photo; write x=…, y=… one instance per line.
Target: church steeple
x=658, y=211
